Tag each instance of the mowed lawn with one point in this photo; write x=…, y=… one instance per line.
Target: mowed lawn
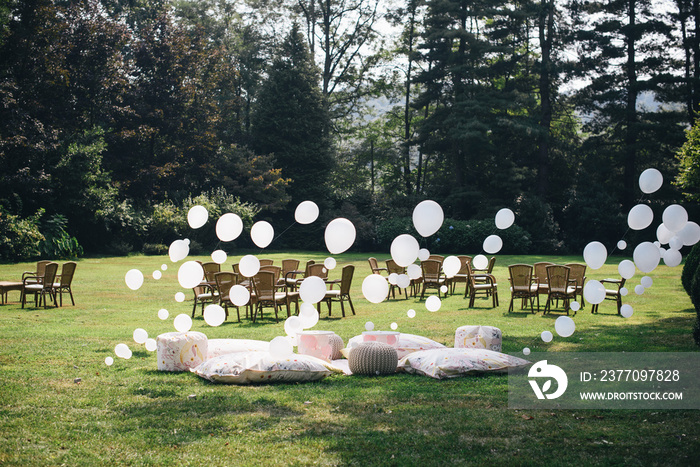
x=131, y=414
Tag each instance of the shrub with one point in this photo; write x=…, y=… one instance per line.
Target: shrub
x=154, y=249
x=692, y=260
x=695, y=297
x=19, y=238
x=57, y=242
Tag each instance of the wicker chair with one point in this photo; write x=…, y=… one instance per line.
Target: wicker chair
x=289, y=266
x=482, y=284
x=523, y=285
x=40, y=268
x=561, y=287
x=40, y=286
x=224, y=281
x=462, y=275
x=578, y=273
x=64, y=281
x=393, y=268
x=374, y=266
x=266, y=262
x=612, y=294
x=541, y=276
x=344, y=292
x=266, y=294
x=432, y=276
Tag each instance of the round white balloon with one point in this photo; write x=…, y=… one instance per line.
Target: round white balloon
x=414, y=271
x=313, y=289
x=427, y=217
x=663, y=234
x=308, y=315
x=214, y=315
x=690, y=234
x=197, y=216
x=423, y=254
x=182, y=323
x=624, y=291
x=190, y=274
x=151, y=345
x=281, y=347
x=526, y=351
x=122, y=351
x=404, y=250
x=375, y=288
x=163, y=314
x=229, y=227
x=626, y=310
x=340, y=235
x=640, y=217
x=249, y=265
x=675, y=217
x=262, y=234
x=480, y=262
x=621, y=245
x=179, y=297
x=411, y=313
x=451, y=266
x=157, y=274
x=492, y=244
x=504, y=218
x=369, y=326
x=394, y=326
x=595, y=255
x=647, y=282
x=675, y=243
x=330, y=263
x=134, y=279
x=433, y=303
x=626, y=269
x=293, y=325
x=650, y=180
x=109, y=361
x=239, y=295
x=564, y=326
x=178, y=250
x=546, y=336
x=403, y=281
x=393, y=278
x=594, y=292
x=646, y=257
x=639, y=289
x=672, y=258
x=140, y=335
x=306, y=212
x=575, y=306
x=219, y=256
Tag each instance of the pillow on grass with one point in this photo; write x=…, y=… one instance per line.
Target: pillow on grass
x=261, y=367
x=452, y=363
x=219, y=347
x=407, y=344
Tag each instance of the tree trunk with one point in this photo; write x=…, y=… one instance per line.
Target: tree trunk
x=546, y=34
x=631, y=110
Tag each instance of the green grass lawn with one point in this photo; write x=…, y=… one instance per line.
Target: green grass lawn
x=132, y=414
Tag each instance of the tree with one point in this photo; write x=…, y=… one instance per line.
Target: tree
x=689, y=157
x=291, y=121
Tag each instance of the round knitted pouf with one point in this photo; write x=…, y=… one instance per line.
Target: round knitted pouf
x=337, y=345
x=373, y=358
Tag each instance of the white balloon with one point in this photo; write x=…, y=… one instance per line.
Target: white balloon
x=369, y=326
x=626, y=310
x=306, y=212
x=340, y=235
x=239, y=295
x=293, y=325
x=281, y=347
x=640, y=217
x=626, y=269
x=229, y=227
x=646, y=257
x=595, y=255
x=140, y=335
x=451, y=266
x=403, y=281
x=546, y=336
x=672, y=258
x=197, y=216
x=182, y=323
x=262, y=234
x=134, y=279
x=190, y=274
x=504, y=218
x=526, y=351
x=375, y=288
x=313, y=289
x=639, y=289
x=178, y=251
x=480, y=262
x=308, y=315
x=411, y=313
x=624, y=291
x=575, y=306
x=675, y=217
x=621, y=245
x=393, y=278
x=163, y=314
x=690, y=234
x=423, y=254
x=394, y=326
x=179, y=297
x=433, y=303
x=443, y=289
x=647, y=282
x=249, y=265
x=564, y=326
x=594, y=292
x=157, y=274
x=414, y=271
x=330, y=263
x=663, y=234
x=151, y=345
x=493, y=244
x=675, y=243
x=219, y=256
x=650, y=180
x=109, y=361
x=164, y=267
x=214, y=315
x=122, y=351
x=427, y=217
x=404, y=250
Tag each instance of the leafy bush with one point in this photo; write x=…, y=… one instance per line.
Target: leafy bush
x=154, y=249
x=19, y=238
x=695, y=297
x=455, y=236
x=692, y=261
x=57, y=242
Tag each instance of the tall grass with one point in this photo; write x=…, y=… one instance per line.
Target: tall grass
x=60, y=403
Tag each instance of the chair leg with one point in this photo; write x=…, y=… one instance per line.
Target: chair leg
x=510, y=307
x=342, y=308
x=352, y=308
x=71, y=297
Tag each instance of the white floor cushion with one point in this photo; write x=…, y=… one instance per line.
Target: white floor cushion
x=452, y=363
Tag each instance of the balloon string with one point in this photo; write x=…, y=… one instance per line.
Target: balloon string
x=639, y=201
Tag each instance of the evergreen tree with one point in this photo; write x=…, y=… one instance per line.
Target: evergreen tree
x=290, y=121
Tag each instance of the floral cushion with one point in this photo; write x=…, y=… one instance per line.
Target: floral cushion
x=479, y=337
x=451, y=363
x=261, y=367
x=181, y=351
x=219, y=347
